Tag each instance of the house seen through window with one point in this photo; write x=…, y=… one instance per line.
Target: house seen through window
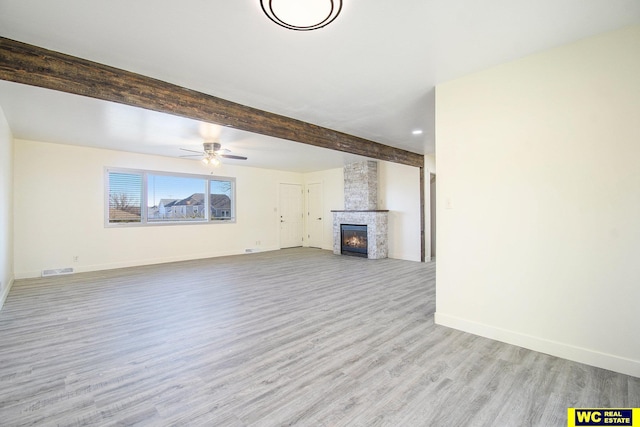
x=145, y=197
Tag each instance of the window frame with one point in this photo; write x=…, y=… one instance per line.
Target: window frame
x=144, y=219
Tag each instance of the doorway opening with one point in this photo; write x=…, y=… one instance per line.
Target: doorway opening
x=432, y=204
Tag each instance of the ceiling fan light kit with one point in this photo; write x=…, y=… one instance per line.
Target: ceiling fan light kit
x=301, y=15
x=211, y=161
x=211, y=153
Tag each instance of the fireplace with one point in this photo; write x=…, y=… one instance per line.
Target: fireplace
x=353, y=240
x=361, y=210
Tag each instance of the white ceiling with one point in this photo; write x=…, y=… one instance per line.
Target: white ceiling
x=371, y=73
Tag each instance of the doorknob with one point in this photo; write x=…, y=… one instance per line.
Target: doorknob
x=319, y=218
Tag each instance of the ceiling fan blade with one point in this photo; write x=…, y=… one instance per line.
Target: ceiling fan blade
x=193, y=151
x=231, y=156
x=192, y=155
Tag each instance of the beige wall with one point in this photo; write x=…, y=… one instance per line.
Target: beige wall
x=539, y=202
x=59, y=211
x=399, y=192
x=6, y=208
x=332, y=181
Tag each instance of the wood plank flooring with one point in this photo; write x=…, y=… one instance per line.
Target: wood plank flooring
x=292, y=337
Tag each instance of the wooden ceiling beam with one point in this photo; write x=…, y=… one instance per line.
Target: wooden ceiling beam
x=36, y=66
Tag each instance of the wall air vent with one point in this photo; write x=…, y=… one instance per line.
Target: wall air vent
x=57, y=272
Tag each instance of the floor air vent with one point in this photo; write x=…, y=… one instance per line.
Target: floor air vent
x=57, y=272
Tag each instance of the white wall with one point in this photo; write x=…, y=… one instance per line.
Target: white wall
x=6, y=208
x=539, y=202
x=332, y=181
x=399, y=192
x=59, y=205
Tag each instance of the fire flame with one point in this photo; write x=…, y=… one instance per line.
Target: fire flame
x=355, y=241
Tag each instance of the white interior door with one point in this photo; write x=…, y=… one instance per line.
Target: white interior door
x=315, y=217
x=290, y=215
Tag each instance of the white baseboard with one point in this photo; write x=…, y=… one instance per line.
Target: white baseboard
x=5, y=292
x=148, y=261
x=554, y=348
x=404, y=257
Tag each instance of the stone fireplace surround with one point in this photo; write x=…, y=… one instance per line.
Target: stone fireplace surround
x=361, y=202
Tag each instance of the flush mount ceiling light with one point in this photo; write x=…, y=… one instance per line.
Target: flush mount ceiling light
x=302, y=15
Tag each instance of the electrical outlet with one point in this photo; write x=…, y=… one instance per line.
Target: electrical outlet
x=448, y=204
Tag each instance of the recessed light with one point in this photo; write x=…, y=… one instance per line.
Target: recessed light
x=417, y=132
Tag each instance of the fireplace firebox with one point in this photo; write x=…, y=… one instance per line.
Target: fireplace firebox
x=354, y=240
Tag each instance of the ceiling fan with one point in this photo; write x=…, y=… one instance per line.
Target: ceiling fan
x=211, y=153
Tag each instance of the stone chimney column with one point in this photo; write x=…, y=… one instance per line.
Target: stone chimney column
x=361, y=186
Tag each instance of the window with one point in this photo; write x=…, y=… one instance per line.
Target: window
x=150, y=198
x=182, y=194
x=220, y=194
x=125, y=197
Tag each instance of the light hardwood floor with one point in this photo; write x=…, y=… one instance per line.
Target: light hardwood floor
x=292, y=337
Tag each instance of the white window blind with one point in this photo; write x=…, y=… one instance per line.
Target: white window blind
x=125, y=197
